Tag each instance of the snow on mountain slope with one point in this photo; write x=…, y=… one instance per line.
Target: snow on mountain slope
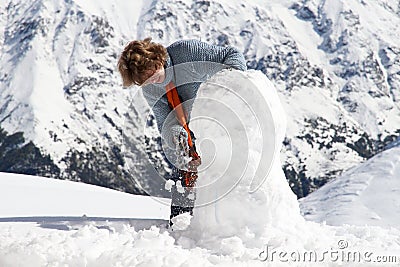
x=365, y=195
x=58, y=86
x=49, y=77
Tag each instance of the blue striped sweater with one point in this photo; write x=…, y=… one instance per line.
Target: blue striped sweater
x=189, y=63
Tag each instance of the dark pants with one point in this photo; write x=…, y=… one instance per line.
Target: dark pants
x=183, y=198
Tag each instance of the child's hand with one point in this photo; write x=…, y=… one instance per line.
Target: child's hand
x=189, y=178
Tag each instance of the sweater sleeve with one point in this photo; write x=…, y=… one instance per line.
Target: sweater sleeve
x=234, y=59
x=194, y=51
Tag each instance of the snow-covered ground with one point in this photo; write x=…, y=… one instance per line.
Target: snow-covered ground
x=31, y=196
x=54, y=240
x=246, y=227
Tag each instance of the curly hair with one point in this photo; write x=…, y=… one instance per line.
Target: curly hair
x=138, y=57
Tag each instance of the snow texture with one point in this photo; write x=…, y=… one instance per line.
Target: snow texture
x=239, y=113
x=168, y=185
x=365, y=195
x=181, y=222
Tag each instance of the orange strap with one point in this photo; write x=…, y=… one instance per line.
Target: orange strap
x=181, y=115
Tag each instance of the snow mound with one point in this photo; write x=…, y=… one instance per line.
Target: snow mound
x=182, y=221
x=240, y=124
x=367, y=194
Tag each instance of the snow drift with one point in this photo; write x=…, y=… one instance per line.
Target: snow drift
x=31, y=196
x=367, y=194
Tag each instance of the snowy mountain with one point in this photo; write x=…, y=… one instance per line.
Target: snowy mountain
x=367, y=194
x=335, y=66
x=59, y=88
